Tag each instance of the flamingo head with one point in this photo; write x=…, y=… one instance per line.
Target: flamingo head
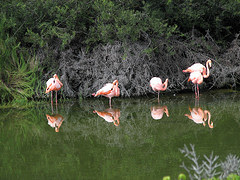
x=166, y=111
x=55, y=76
x=115, y=82
x=166, y=81
x=49, y=88
x=209, y=62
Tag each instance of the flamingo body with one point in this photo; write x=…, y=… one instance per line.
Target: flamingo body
x=198, y=67
x=157, y=85
x=196, y=78
x=195, y=67
x=109, y=90
x=53, y=84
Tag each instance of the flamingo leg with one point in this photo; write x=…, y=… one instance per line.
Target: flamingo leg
x=110, y=102
x=158, y=96
x=56, y=109
x=195, y=90
x=198, y=91
x=56, y=98
x=51, y=97
x=52, y=107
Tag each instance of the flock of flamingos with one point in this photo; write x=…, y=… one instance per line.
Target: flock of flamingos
x=197, y=73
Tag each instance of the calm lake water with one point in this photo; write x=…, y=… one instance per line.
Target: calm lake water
x=138, y=139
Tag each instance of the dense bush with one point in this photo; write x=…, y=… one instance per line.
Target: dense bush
x=43, y=31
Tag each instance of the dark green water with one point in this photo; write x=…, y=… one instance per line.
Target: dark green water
x=133, y=146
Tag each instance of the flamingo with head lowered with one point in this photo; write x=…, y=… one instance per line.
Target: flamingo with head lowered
x=109, y=90
x=157, y=85
x=53, y=84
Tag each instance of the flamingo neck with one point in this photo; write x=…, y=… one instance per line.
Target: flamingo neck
x=115, y=82
x=206, y=75
x=165, y=85
x=207, y=115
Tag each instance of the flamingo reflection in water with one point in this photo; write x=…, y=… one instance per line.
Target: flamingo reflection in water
x=158, y=111
x=200, y=116
x=110, y=115
x=55, y=120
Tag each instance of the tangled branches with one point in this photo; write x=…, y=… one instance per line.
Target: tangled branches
x=134, y=64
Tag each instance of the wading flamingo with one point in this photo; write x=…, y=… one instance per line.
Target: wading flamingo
x=199, y=116
x=55, y=121
x=200, y=68
x=157, y=85
x=109, y=90
x=158, y=111
x=196, y=78
x=110, y=115
x=53, y=84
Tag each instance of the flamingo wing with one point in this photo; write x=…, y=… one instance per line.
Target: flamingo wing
x=195, y=67
x=50, y=83
x=156, y=84
x=105, y=90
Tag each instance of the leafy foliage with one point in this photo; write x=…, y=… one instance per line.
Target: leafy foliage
x=49, y=27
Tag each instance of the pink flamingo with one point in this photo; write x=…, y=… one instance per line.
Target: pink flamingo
x=109, y=90
x=157, y=85
x=196, y=78
x=53, y=84
x=198, y=67
x=158, y=111
x=199, y=116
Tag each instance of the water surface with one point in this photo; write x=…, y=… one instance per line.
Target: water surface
x=138, y=138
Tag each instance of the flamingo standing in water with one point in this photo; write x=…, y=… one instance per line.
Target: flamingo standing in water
x=157, y=85
x=53, y=84
x=198, y=67
x=197, y=73
x=109, y=90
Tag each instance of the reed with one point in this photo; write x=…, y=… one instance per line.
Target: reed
x=17, y=68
